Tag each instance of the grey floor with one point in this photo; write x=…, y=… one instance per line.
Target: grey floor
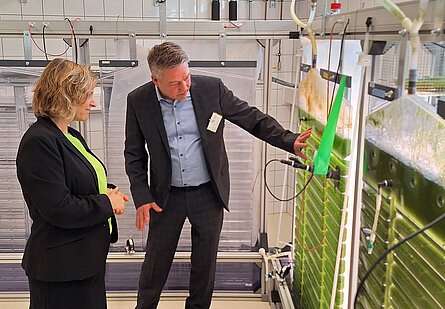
x=167, y=304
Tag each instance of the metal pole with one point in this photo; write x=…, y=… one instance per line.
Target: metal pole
x=403, y=62
x=263, y=201
x=266, y=97
x=162, y=20
x=358, y=186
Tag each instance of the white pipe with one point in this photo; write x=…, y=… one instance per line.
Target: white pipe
x=283, y=191
x=299, y=55
x=397, y=12
x=307, y=26
x=312, y=15
x=438, y=22
x=348, y=202
x=340, y=243
x=294, y=17
x=414, y=34
x=412, y=27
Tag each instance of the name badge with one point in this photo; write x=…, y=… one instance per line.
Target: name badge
x=214, y=122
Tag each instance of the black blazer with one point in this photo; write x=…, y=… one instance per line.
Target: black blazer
x=145, y=126
x=70, y=236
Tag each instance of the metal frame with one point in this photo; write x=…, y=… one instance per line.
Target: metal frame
x=180, y=257
x=383, y=92
x=118, y=63
x=131, y=296
x=222, y=64
x=383, y=25
x=275, y=278
x=114, y=257
x=184, y=29
x=24, y=63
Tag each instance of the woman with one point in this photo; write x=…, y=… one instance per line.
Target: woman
x=65, y=189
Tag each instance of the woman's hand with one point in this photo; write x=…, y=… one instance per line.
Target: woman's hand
x=117, y=200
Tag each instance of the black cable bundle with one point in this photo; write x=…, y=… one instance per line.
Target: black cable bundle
x=215, y=10
x=233, y=10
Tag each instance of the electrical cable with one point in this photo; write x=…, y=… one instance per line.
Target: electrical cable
x=265, y=9
x=329, y=70
x=74, y=34
x=279, y=56
x=261, y=44
x=54, y=55
x=268, y=189
x=234, y=26
x=368, y=273
x=44, y=41
x=340, y=61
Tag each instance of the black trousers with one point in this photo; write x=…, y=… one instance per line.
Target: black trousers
x=79, y=294
x=205, y=213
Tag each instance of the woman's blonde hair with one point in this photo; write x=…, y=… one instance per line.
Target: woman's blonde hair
x=61, y=88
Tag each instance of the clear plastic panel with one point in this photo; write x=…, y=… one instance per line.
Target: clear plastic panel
x=240, y=227
x=410, y=130
x=15, y=116
x=238, y=230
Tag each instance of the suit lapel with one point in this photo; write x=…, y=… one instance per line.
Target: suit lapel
x=52, y=126
x=154, y=109
x=201, y=113
x=87, y=163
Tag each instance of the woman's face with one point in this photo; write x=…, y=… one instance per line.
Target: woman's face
x=83, y=110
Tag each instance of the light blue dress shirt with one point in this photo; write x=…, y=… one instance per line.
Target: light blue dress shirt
x=188, y=162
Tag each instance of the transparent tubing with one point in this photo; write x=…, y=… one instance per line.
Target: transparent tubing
x=308, y=27
x=413, y=28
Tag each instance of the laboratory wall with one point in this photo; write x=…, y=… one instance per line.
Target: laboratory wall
x=101, y=48
x=411, y=278
x=134, y=10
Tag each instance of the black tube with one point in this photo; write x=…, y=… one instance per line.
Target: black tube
x=412, y=81
x=215, y=10
x=233, y=10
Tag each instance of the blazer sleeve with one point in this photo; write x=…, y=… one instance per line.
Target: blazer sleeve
x=254, y=121
x=136, y=158
x=41, y=172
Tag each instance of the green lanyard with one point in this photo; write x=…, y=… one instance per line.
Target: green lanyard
x=327, y=140
x=98, y=167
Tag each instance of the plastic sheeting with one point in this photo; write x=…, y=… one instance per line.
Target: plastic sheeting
x=240, y=228
x=239, y=231
x=411, y=131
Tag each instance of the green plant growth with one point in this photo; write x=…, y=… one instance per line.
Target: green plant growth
x=323, y=202
x=413, y=275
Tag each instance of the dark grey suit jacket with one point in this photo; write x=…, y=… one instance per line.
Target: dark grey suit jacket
x=70, y=236
x=145, y=127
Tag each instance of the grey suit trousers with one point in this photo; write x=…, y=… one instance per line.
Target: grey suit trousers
x=204, y=210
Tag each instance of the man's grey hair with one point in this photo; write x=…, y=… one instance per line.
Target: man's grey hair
x=165, y=56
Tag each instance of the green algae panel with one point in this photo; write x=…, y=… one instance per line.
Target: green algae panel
x=405, y=143
x=314, y=271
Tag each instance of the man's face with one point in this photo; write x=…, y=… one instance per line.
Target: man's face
x=174, y=83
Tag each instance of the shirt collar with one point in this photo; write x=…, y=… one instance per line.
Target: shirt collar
x=161, y=98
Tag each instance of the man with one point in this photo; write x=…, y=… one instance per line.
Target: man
x=180, y=120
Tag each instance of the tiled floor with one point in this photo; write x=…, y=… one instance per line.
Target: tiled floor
x=168, y=304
